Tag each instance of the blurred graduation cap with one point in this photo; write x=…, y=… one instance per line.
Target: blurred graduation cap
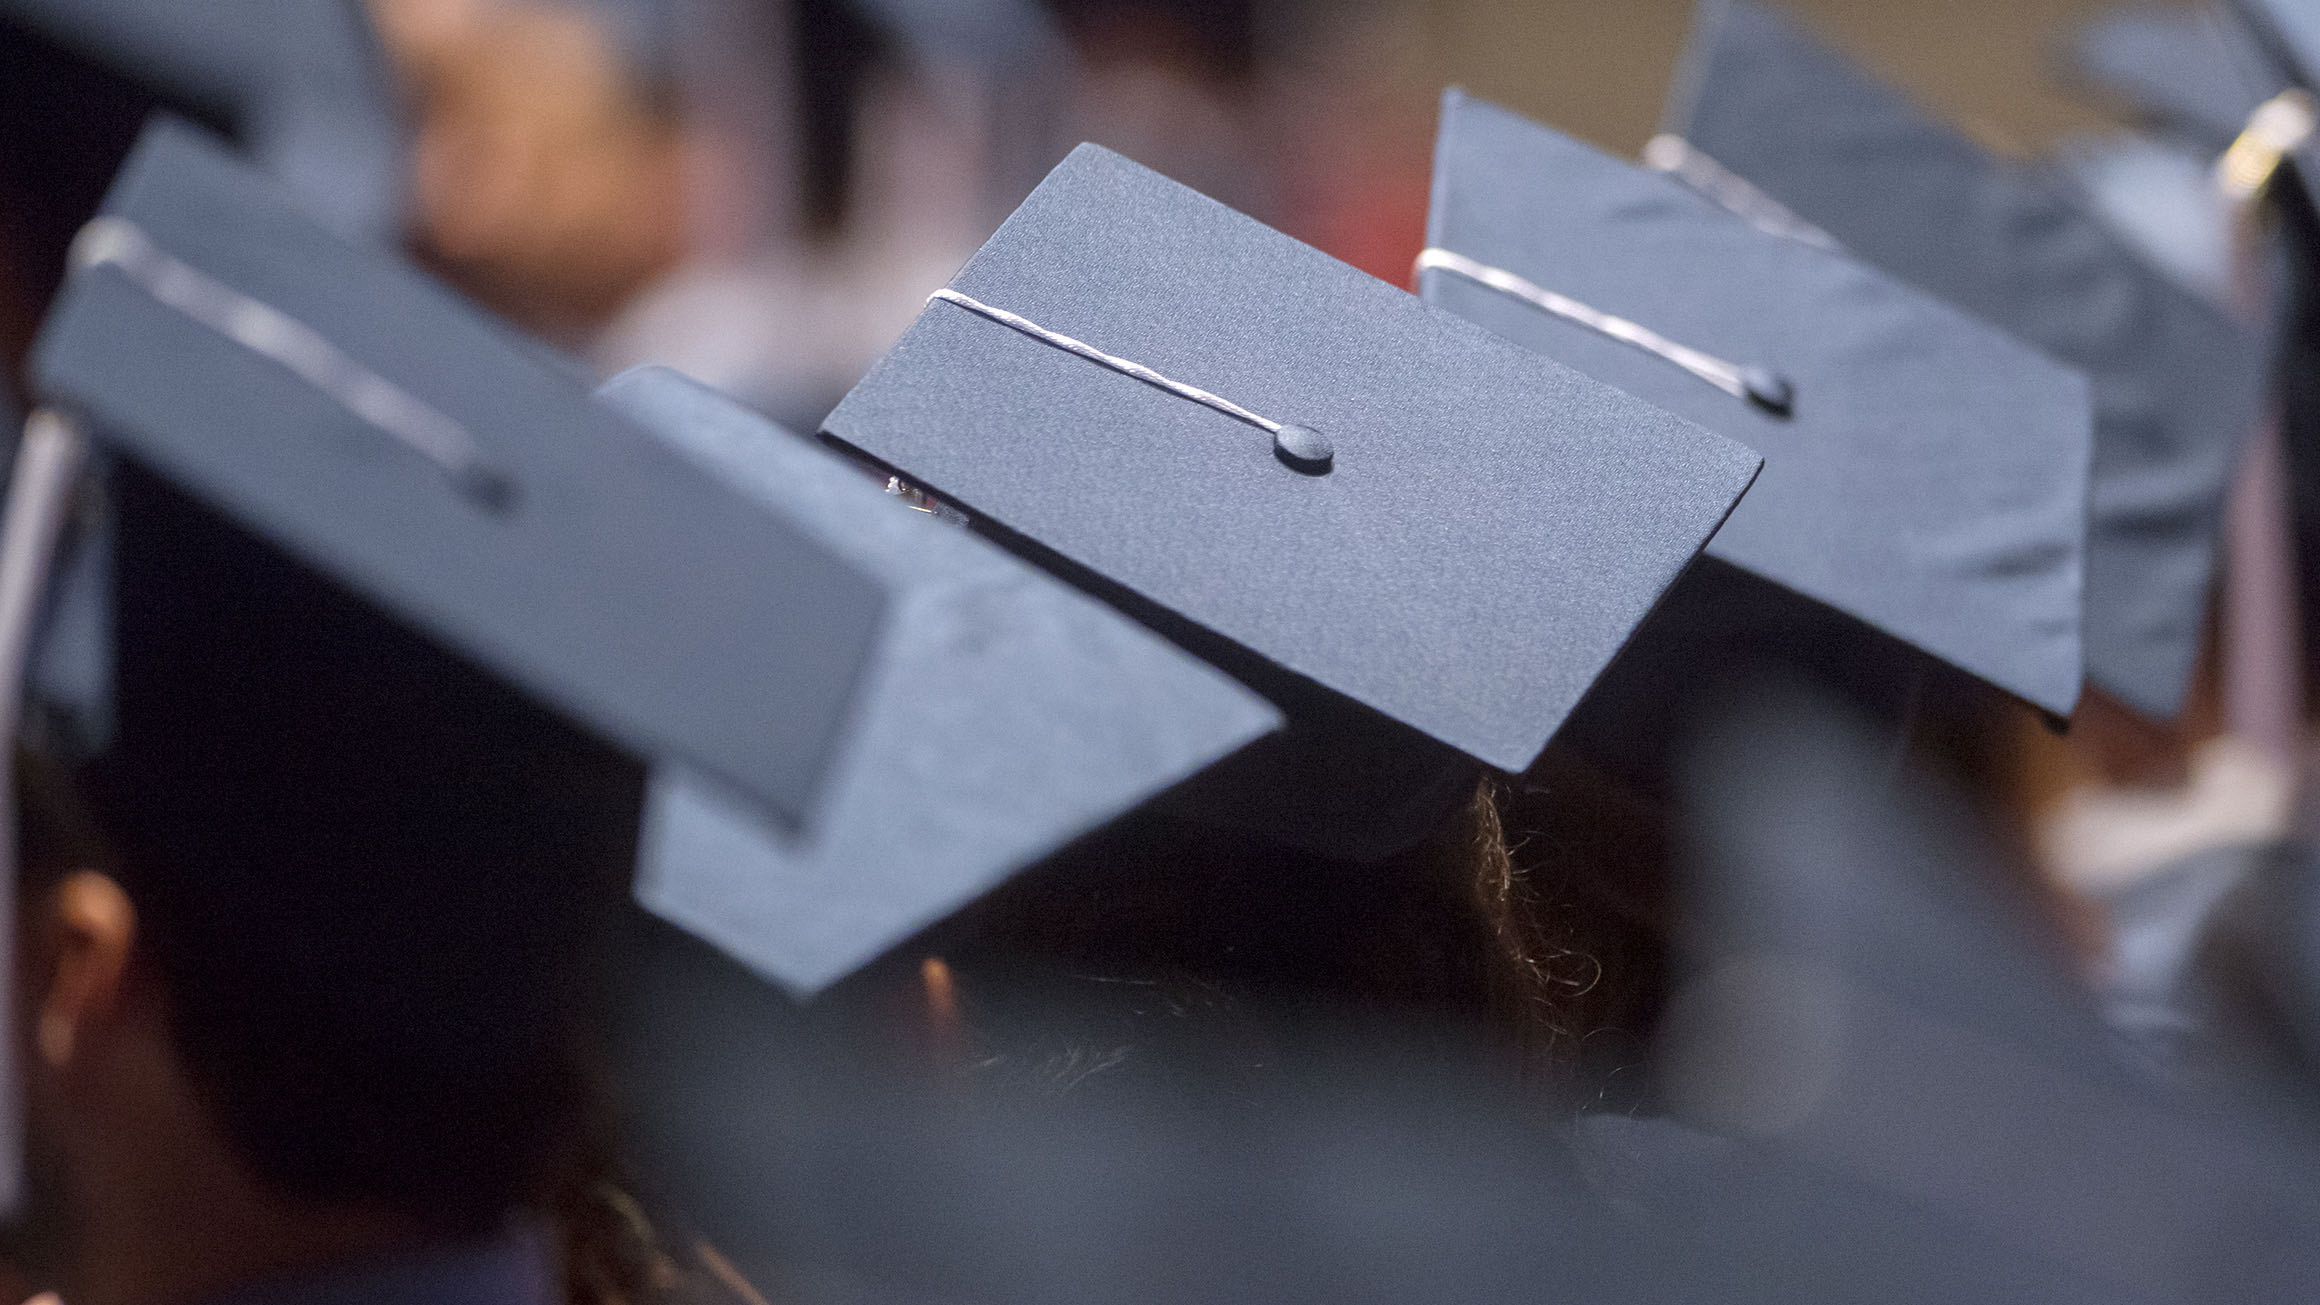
x=2285, y=127
x=1924, y=474
x=1419, y=540
x=1889, y=1091
x=299, y=432
x=2258, y=955
x=2194, y=74
x=2178, y=387
x=448, y=471
x=2162, y=199
x=2288, y=34
x=2287, y=131
x=1002, y=714
x=300, y=84
x=2213, y=972
x=1872, y=1005
x=2193, y=79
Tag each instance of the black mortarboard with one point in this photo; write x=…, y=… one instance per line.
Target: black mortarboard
x=2288, y=32
x=392, y=437
x=339, y=436
x=1924, y=474
x=301, y=84
x=2286, y=37
x=1002, y=714
x=1447, y=539
x=1871, y=1002
x=2192, y=73
x=2177, y=385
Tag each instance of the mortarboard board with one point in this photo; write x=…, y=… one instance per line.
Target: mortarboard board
x=1002, y=714
x=2177, y=385
x=2193, y=73
x=1924, y=474
x=2260, y=946
x=344, y=418
x=1388, y=520
x=301, y=84
x=450, y=472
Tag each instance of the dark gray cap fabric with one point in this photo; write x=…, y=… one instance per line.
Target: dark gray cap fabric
x=1873, y=999
x=2193, y=73
x=1931, y=479
x=1997, y=1156
x=2288, y=32
x=602, y=572
x=1495, y=524
x=2287, y=35
x=2178, y=387
x=2161, y=197
x=1003, y=713
x=302, y=84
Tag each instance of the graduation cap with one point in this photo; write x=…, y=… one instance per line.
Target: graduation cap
x=2196, y=81
x=2288, y=34
x=1894, y=1051
x=1422, y=541
x=2162, y=199
x=301, y=431
x=2177, y=385
x=302, y=85
x=2191, y=73
x=1002, y=714
x=1924, y=474
x=453, y=474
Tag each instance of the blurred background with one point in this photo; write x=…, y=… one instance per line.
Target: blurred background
x=763, y=191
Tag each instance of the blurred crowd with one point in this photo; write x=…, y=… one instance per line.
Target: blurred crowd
x=763, y=195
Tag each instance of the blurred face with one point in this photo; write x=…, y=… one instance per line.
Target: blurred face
x=544, y=180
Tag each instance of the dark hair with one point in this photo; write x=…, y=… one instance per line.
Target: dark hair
x=1183, y=946
x=370, y=875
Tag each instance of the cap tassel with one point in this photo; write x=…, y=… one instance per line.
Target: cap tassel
x=1300, y=448
x=269, y=332
x=1759, y=386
